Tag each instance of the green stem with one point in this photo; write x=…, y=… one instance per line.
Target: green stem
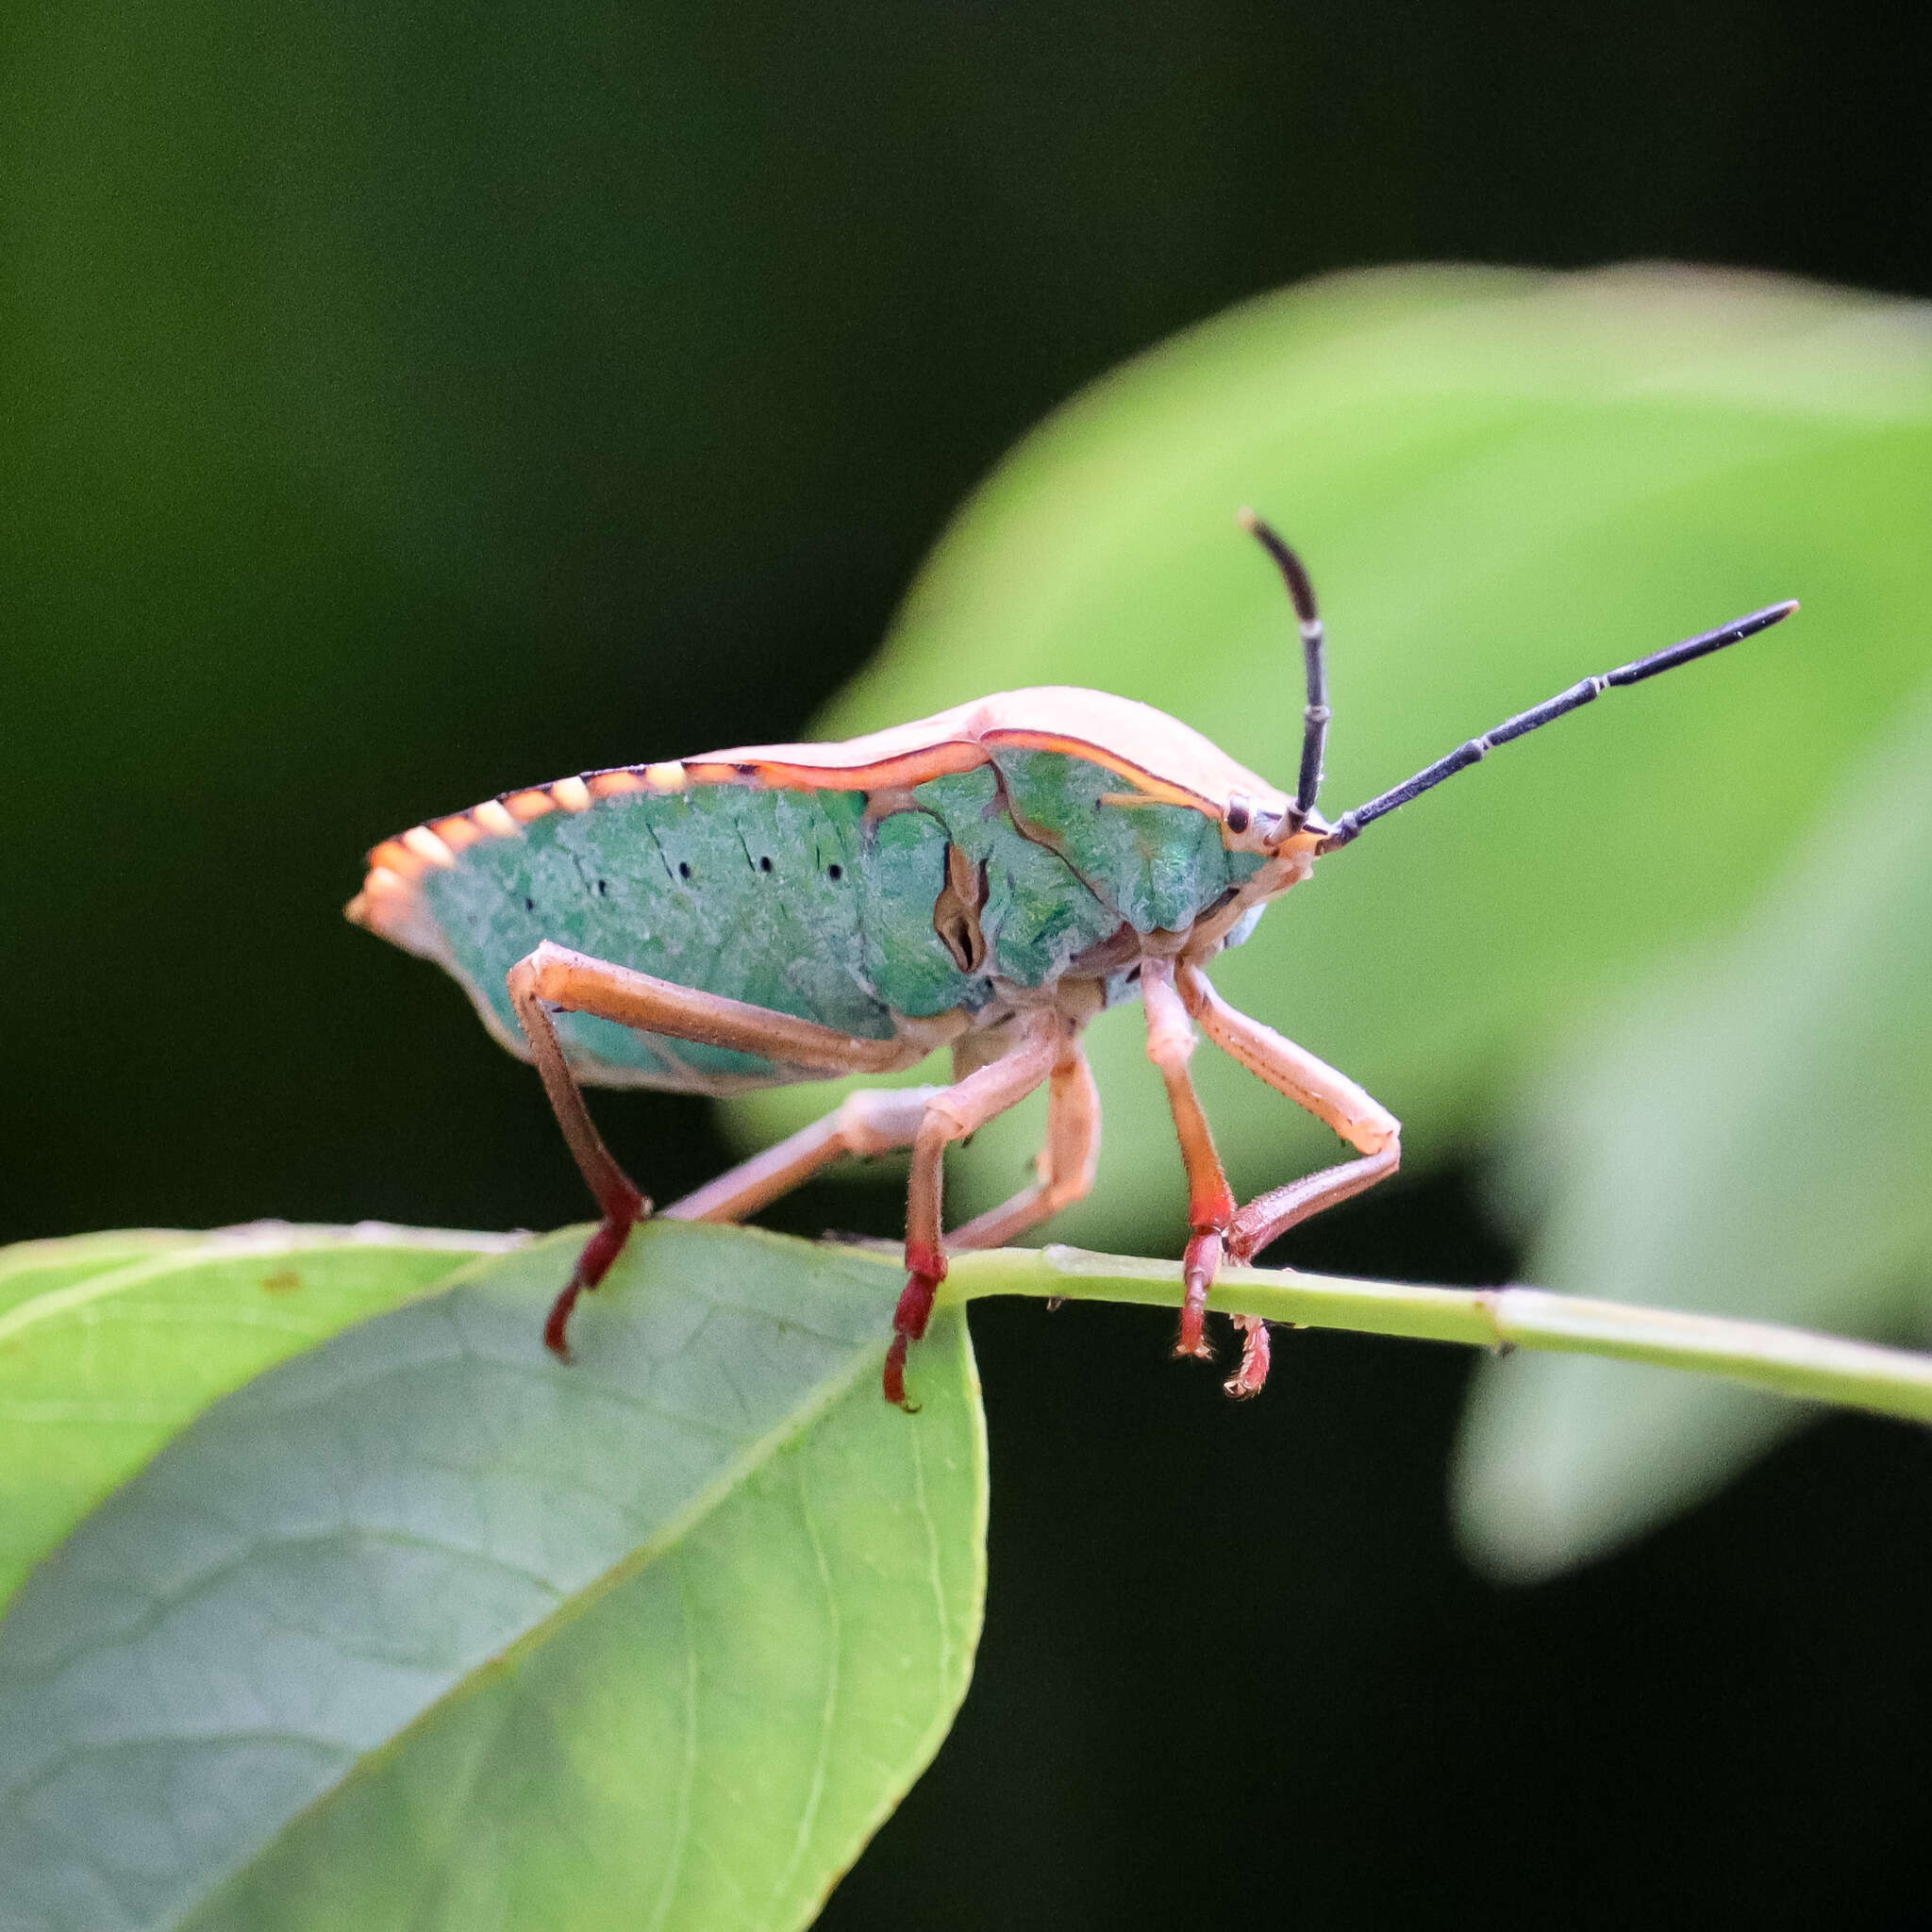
x=1793, y=1361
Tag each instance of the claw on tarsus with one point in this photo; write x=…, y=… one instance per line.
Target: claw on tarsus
x=909, y=1318
x=594, y=1264
x=555, y=1323
x=1198, y=1268
x=895, y=1377
x=1247, y=1379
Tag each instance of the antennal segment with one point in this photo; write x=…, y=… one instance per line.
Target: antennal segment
x=1300, y=593
x=1351, y=823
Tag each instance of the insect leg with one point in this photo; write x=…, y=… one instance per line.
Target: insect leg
x=579, y=984
x=1331, y=1097
x=950, y=1114
x=555, y=977
x=1210, y=1202
x=875, y=1121
x=616, y=1194
x=1066, y=1165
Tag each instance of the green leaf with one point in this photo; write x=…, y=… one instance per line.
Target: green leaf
x=28, y=1269
x=1501, y=482
x=111, y=1344
x=424, y=1627
x=1753, y=1137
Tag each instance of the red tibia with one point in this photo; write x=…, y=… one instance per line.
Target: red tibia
x=1209, y=1211
x=1253, y=1373
x=927, y=1267
x=621, y=1214
x=1197, y=1272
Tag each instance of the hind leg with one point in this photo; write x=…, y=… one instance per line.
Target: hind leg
x=554, y=978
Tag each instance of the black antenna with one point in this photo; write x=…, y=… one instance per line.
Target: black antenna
x=1300, y=593
x=1351, y=823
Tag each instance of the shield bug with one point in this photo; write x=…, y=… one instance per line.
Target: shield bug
x=988, y=879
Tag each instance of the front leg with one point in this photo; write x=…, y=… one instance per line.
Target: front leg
x=555, y=977
x=1211, y=1201
x=1331, y=1097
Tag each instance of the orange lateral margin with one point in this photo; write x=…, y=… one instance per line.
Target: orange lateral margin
x=884, y=775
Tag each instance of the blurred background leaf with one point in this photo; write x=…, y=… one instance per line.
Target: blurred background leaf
x=1750, y=1133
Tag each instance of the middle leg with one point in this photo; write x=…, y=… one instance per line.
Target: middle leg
x=873, y=1121
x=950, y=1114
x=1066, y=1164
x=876, y=1120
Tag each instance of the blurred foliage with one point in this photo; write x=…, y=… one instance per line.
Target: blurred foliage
x=1750, y=1133
x=426, y=1626
x=1503, y=482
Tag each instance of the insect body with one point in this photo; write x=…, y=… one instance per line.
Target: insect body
x=988, y=879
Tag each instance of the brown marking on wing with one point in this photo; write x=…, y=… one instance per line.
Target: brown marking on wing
x=956, y=912
x=883, y=803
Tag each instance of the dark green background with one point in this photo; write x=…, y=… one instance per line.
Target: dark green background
x=395, y=407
